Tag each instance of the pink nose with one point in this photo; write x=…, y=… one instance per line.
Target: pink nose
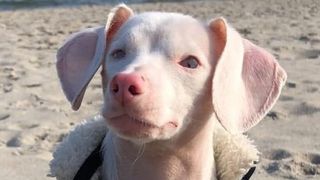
x=125, y=87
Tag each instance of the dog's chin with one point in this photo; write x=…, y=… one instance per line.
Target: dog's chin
x=140, y=130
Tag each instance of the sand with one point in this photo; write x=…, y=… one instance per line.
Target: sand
x=35, y=116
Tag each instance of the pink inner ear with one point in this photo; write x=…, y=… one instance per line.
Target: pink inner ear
x=81, y=56
x=117, y=17
x=75, y=57
x=246, y=83
x=78, y=60
x=263, y=78
x=219, y=36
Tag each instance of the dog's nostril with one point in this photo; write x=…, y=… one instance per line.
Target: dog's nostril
x=133, y=90
x=115, y=88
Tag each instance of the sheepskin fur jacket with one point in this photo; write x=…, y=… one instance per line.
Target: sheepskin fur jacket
x=234, y=154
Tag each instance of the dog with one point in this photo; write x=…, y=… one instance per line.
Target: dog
x=169, y=83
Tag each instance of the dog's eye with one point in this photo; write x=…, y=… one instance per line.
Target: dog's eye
x=118, y=54
x=190, y=62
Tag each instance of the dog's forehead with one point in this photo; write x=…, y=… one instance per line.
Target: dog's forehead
x=164, y=26
x=156, y=20
x=172, y=33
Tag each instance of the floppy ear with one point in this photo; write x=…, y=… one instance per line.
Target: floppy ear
x=247, y=79
x=81, y=55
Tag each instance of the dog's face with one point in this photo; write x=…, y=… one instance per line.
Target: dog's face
x=165, y=72
x=156, y=67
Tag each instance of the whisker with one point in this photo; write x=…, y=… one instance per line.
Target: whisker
x=139, y=155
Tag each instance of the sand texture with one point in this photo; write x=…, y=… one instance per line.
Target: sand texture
x=35, y=116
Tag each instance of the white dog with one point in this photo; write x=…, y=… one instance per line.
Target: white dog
x=169, y=83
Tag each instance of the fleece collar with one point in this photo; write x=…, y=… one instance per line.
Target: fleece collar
x=78, y=155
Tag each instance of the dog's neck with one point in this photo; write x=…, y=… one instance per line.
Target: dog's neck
x=189, y=156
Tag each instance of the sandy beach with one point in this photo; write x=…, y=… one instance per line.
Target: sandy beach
x=35, y=116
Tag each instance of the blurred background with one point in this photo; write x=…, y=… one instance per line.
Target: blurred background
x=36, y=3
x=35, y=116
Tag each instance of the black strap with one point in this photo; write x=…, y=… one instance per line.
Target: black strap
x=249, y=173
x=90, y=165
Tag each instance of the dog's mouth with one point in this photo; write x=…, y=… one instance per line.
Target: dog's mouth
x=137, y=126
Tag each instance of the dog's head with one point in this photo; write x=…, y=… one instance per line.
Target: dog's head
x=162, y=72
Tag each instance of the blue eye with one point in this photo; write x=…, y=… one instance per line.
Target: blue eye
x=118, y=54
x=190, y=62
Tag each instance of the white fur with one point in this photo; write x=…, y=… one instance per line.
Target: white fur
x=174, y=90
x=175, y=114
x=234, y=154
x=109, y=165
